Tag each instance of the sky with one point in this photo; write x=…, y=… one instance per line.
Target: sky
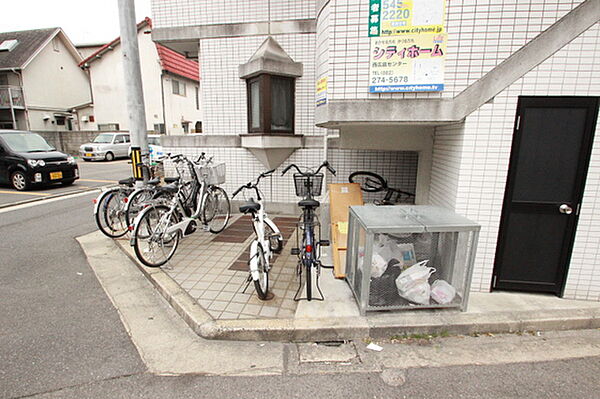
x=84, y=21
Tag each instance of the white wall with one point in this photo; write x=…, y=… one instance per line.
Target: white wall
x=180, y=108
x=470, y=163
x=108, y=82
x=53, y=82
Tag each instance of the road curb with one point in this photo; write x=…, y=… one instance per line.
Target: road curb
x=378, y=325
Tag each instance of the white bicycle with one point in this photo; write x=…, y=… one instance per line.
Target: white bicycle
x=268, y=238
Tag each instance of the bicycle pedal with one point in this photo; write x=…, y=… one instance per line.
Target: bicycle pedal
x=295, y=251
x=324, y=243
x=205, y=228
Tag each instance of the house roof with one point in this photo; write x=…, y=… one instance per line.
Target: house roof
x=175, y=63
x=29, y=42
x=170, y=60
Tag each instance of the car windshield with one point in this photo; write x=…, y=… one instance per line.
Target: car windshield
x=103, y=138
x=154, y=140
x=27, y=142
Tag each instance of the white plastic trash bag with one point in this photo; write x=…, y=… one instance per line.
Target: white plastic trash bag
x=378, y=266
x=417, y=293
x=442, y=292
x=416, y=274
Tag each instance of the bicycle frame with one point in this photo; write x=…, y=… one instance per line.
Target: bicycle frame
x=259, y=221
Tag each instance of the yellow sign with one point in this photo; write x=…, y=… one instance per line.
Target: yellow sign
x=407, y=63
x=321, y=97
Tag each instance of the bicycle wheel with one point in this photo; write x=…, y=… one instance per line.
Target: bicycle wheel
x=216, y=210
x=262, y=284
x=307, y=268
x=152, y=244
x=135, y=204
x=275, y=241
x=110, y=217
x=369, y=181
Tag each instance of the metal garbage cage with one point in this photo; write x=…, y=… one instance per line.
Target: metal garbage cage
x=385, y=241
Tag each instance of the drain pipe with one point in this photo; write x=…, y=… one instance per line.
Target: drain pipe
x=133, y=85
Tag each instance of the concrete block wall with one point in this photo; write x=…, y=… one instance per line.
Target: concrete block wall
x=69, y=141
x=471, y=163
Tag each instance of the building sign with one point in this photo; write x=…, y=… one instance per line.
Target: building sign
x=400, y=17
x=321, y=97
x=407, y=63
x=408, y=45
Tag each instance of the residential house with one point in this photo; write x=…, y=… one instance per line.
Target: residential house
x=170, y=84
x=486, y=108
x=41, y=85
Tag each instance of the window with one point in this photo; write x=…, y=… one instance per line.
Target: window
x=108, y=126
x=185, y=126
x=178, y=87
x=3, y=79
x=197, y=97
x=159, y=128
x=198, y=127
x=60, y=120
x=55, y=44
x=121, y=139
x=270, y=104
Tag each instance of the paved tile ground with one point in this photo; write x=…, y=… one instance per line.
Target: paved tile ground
x=201, y=266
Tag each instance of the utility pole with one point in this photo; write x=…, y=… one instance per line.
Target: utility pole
x=133, y=87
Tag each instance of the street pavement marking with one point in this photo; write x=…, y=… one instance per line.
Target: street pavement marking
x=99, y=181
x=22, y=193
x=42, y=202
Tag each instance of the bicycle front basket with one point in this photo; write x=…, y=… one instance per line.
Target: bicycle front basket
x=214, y=174
x=306, y=185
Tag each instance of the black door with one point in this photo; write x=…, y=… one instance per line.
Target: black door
x=548, y=166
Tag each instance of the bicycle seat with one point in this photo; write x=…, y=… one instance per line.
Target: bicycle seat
x=154, y=182
x=130, y=181
x=250, y=206
x=170, y=188
x=309, y=203
x=171, y=179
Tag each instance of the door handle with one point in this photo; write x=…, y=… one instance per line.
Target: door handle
x=566, y=209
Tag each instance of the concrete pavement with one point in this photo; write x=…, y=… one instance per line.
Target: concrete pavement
x=322, y=321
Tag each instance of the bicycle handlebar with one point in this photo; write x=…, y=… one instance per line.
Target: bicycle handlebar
x=325, y=164
x=251, y=185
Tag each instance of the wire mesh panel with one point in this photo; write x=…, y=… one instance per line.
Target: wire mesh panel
x=397, y=260
x=306, y=185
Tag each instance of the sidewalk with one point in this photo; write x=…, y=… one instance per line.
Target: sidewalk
x=205, y=284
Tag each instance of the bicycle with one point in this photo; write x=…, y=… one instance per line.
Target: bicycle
x=308, y=185
x=373, y=183
x=267, y=242
x=140, y=197
x=158, y=228
x=109, y=209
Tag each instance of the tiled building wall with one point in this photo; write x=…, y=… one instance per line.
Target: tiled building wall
x=481, y=34
x=322, y=50
x=471, y=163
x=224, y=93
x=398, y=167
x=171, y=13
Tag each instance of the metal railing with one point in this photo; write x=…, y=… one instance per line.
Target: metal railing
x=11, y=96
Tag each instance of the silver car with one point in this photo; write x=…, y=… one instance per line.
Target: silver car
x=106, y=146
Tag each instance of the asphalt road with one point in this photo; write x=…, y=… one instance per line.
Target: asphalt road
x=93, y=174
x=61, y=337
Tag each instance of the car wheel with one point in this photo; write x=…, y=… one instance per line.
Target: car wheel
x=109, y=156
x=19, y=181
